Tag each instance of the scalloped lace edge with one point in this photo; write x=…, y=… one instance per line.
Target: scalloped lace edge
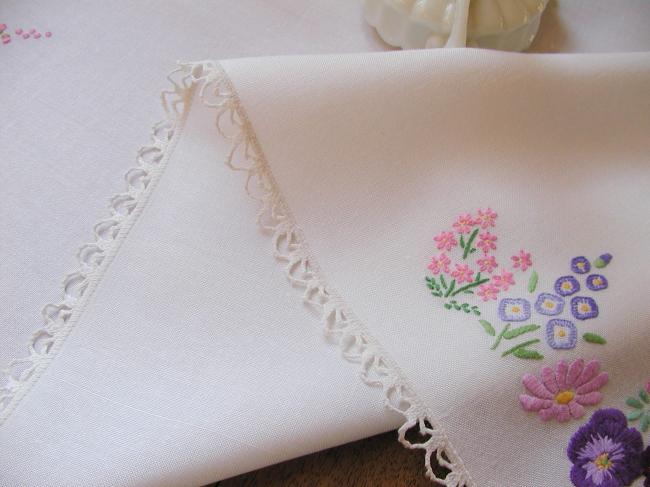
x=59, y=318
x=274, y=217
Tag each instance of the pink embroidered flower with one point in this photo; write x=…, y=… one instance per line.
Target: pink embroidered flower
x=487, y=291
x=504, y=280
x=522, y=261
x=463, y=273
x=486, y=218
x=439, y=264
x=486, y=242
x=464, y=223
x=563, y=393
x=445, y=241
x=487, y=264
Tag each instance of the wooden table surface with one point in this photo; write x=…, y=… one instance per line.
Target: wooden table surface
x=377, y=461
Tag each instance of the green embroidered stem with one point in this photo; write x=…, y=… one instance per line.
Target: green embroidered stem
x=468, y=286
x=500, y=337
x=451, y=288
x=519, y=347
x=532, y=282
x=442, y=281
x=468, y=246
x=593, y=338
x=514, y=333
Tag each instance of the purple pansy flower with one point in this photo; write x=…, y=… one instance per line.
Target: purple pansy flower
x=514, y=309
x=549, y=304
x=566, y=285
x=580, y=265
x=584, y=308
x=605, y=452
x=596, y=282
x=561, y=334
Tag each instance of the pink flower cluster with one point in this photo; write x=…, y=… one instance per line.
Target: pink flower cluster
x=471, y=233
x=21, y=33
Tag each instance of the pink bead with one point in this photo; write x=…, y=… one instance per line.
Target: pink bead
x=32, y=30
x=48, y=34
x=6, y=40
x=19, y=31
x=3, y=26
x=37, y=35
x=25, y=35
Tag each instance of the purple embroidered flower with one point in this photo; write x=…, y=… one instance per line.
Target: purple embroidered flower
x=603, y=260
x=549, y=304
x=561, y=334
x=514, y=309
x=596, y=282
x=584, y=308
x=605, y=452
x=580, y=265
x=566, y=286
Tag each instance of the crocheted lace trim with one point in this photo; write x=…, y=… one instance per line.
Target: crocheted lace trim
x=289, y=247
x=59, y=318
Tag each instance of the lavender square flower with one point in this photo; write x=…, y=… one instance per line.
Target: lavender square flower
x=561, y=334
x=514, y=309
x=580, y=265
x=566, y=285
x=597, y=282
x=549, y=304
x=584, y=308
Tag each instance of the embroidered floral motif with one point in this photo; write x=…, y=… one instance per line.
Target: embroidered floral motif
x=563, y=393
x=504, y=280
x=566, y=286
x=514, y=309
x=549, y=304
x=602, y=261
x=596, y=282
x=463, y=273
x=561, y=334
x=445, y=241
x=487, y=242
x=439, y=264
x=488, y=292
x=605, y=452
x=464, y=223
x=580, y=265
x=584, y=308
x=640, y=405
x=487, y=264
x=522, y=260
x=486, y=218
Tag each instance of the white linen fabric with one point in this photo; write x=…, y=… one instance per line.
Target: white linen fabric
x=173, y=375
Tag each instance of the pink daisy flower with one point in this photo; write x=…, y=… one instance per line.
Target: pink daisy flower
x=504, y=280
x=486, y=218
x=522, y=260
x=463, y=273
x=464, y=223
x=439, y=264
x=487, y=292
x=486, y=242
x=445, y=241
x=562, y=394
x=487, y=264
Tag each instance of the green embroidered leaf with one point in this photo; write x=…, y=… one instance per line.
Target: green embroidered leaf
x=633, y=402
x=645, y=423
x=634, y=415
x=447, y=306
x=593, y=338
x=468, y=245
x=462, y=241
x=527, y=354
x=472, y=251
x=487, y=326
x=451, y=287
x=515, y=332
x=520, y=346
x=478, y=277
x=437, y=294
x=476, y=311
x=443, y=281
x=644, y=396
x=532, y=282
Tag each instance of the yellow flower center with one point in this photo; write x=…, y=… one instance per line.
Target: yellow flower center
x=549, y=304
x=598, y=281
x=584, y=307
x=564, y=397
x=602, y=461
x=561, y=333
x=516, y=309
x=566, y=285
x=581, y=266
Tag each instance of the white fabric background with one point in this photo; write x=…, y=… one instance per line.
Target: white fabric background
x=556, y=144
x=76, y=107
